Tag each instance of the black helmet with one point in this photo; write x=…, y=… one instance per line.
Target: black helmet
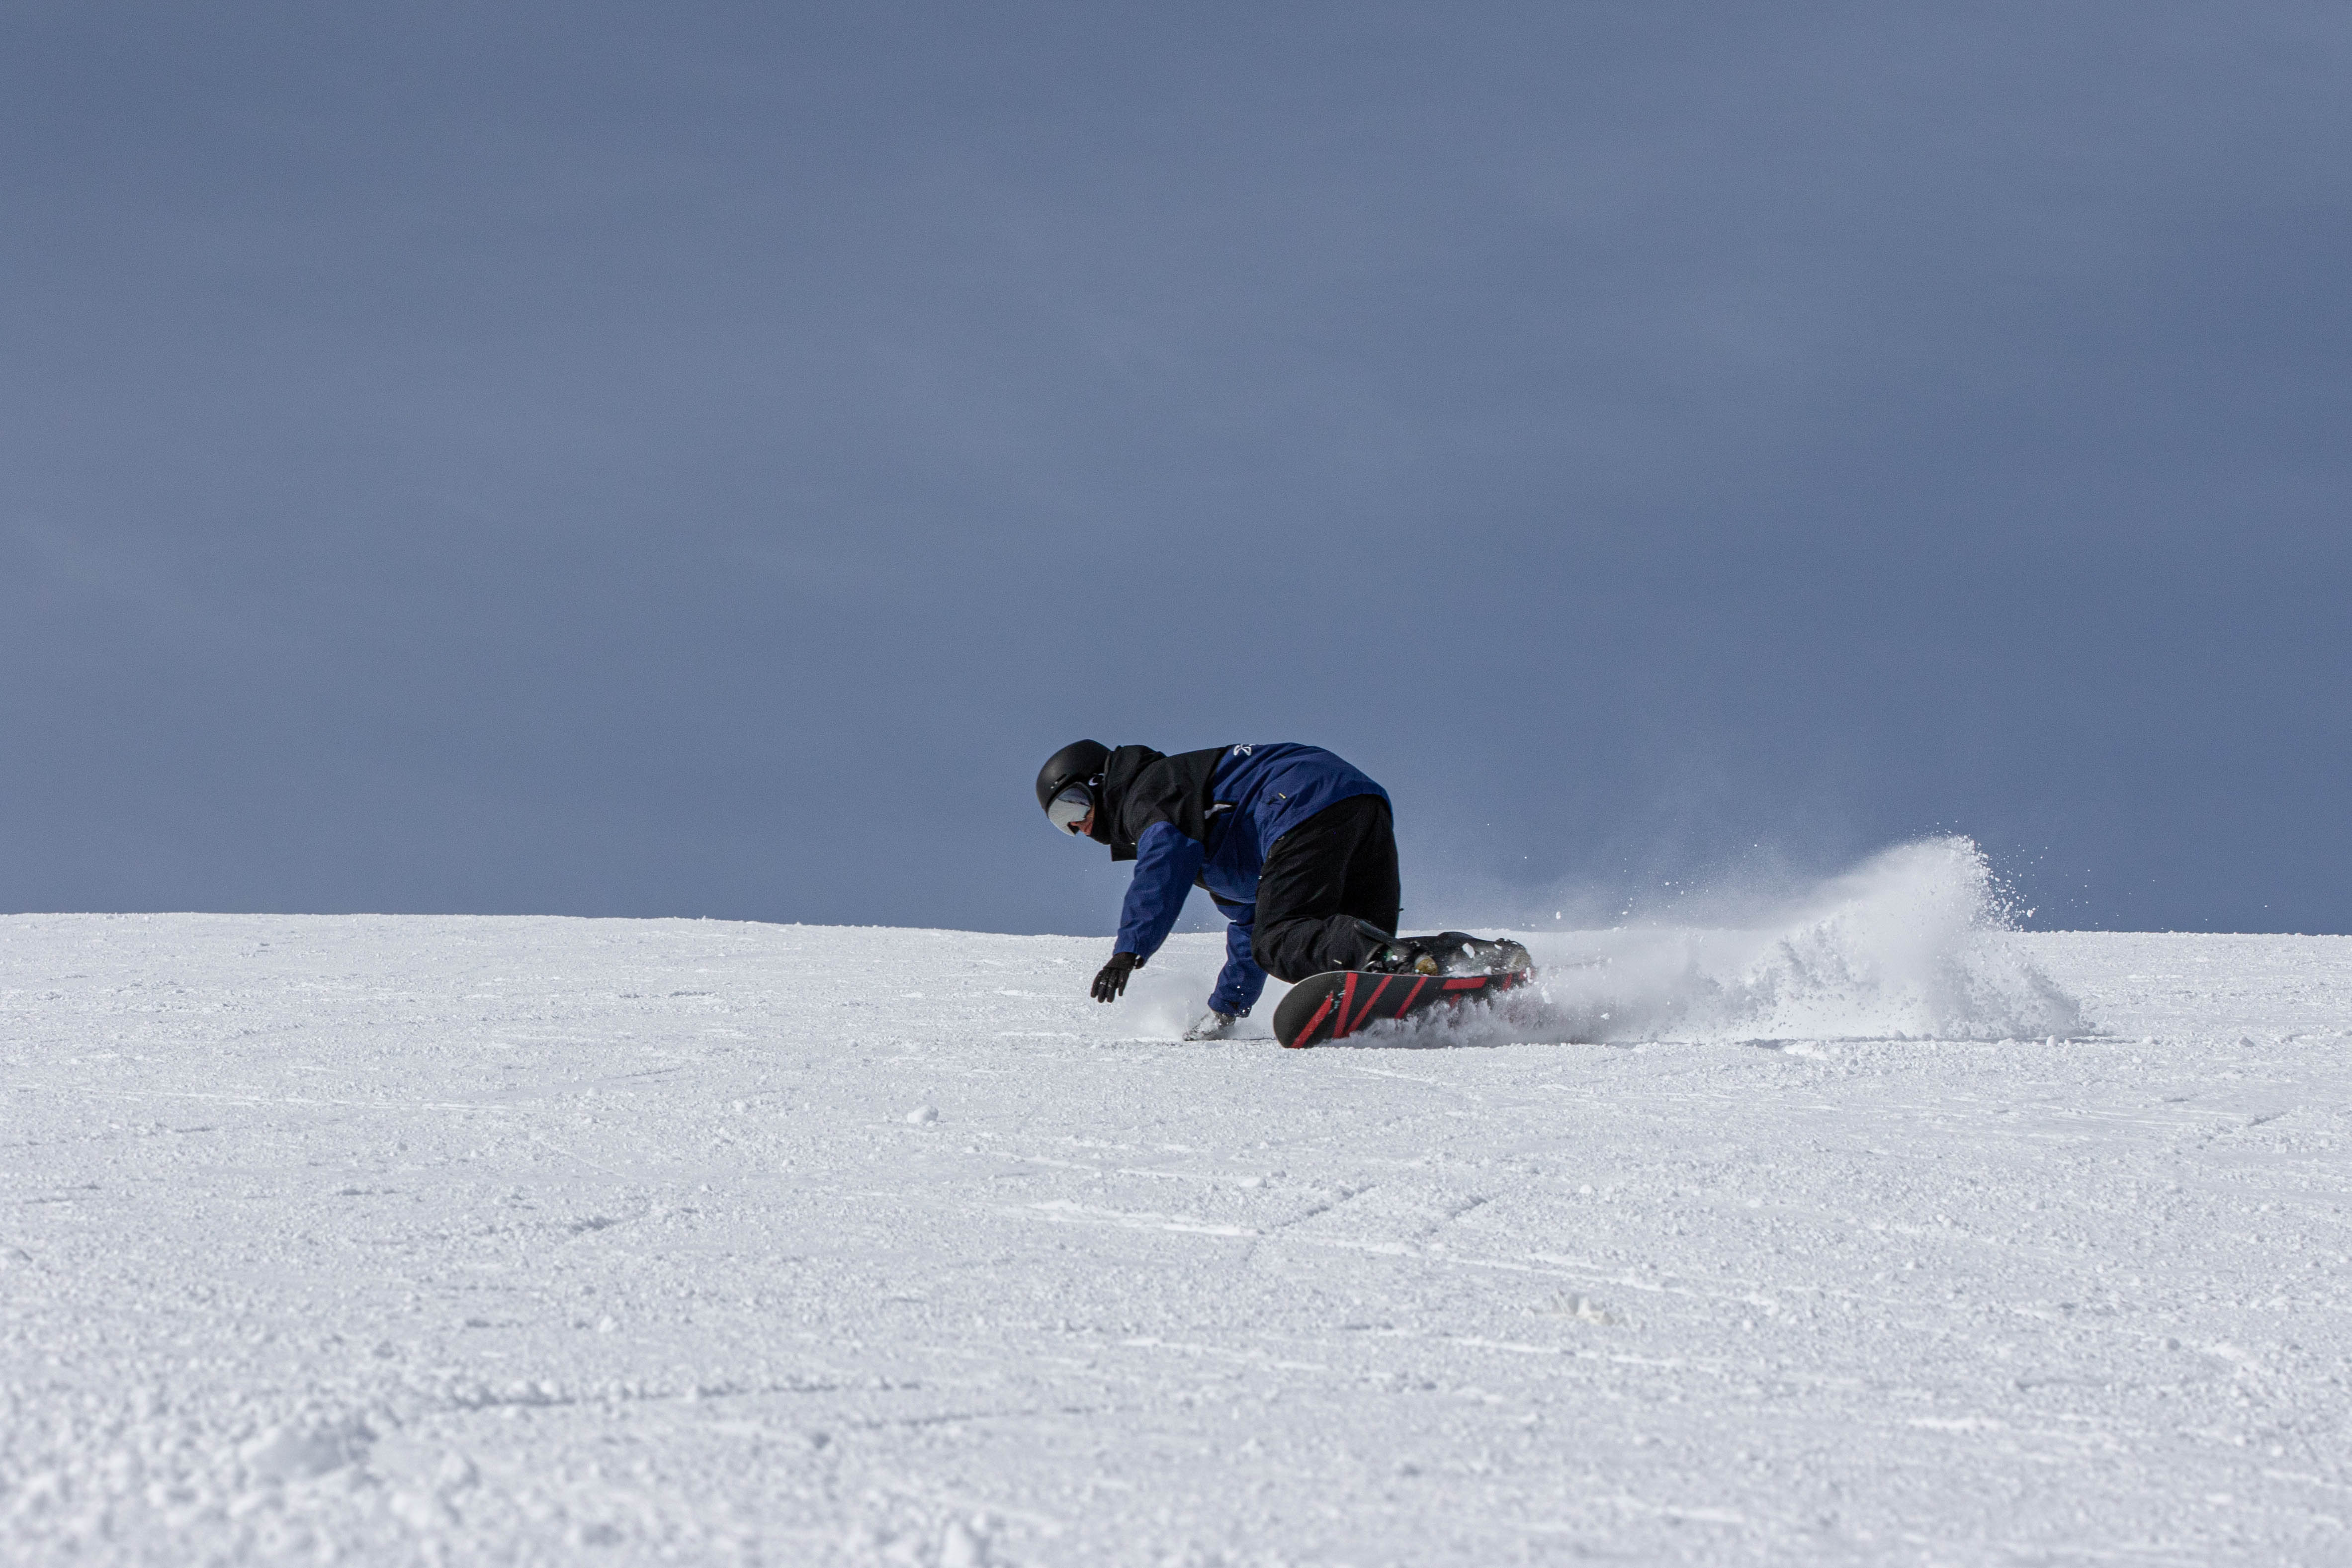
x=1079, y=764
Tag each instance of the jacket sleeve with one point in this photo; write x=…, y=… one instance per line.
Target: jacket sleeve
x=1241, y=981
x=1166, y=861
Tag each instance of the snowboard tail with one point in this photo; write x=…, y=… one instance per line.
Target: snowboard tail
x=1341, y=1002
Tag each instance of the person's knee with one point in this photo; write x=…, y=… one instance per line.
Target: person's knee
x=1291, y=950
x=1285, y=951
x=1267, y=949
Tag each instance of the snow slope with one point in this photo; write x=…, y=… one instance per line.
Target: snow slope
x=491, y=1240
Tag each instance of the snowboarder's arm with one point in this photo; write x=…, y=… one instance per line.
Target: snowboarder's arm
x=1241, y=981
x=1166, y=861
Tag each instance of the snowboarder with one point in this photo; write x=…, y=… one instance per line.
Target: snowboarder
x=1295, y=846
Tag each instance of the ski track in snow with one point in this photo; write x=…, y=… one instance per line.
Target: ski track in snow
x=535, y=1240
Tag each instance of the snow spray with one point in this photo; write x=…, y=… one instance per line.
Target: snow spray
x=1917, y=942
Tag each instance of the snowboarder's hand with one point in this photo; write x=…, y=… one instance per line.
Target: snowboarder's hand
x=1112, y=980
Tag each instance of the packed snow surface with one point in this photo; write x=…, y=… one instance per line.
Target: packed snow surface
x=1882, y=1236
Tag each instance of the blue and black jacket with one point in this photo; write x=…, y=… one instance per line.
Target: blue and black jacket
x=1208, y=819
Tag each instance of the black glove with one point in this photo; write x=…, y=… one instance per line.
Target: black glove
x=1112, y=979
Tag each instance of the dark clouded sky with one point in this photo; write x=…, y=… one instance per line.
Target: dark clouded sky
x=699, y=459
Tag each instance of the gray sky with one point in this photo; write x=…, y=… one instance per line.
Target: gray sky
x=699, y=459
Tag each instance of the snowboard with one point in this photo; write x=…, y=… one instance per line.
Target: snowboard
x=1340, y=1001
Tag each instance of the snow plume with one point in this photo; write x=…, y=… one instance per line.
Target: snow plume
x=1913, y=942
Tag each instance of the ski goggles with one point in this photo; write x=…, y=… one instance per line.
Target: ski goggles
x=1070, y=808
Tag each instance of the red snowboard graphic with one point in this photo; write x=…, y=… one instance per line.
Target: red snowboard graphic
x=1340, y=1003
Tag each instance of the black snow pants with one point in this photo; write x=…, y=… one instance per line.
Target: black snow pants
x=1332, y=869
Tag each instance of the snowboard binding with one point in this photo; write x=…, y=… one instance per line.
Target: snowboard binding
x=1453, y=953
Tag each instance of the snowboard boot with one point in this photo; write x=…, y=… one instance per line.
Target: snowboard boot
x=1447, y=952
x=1213, y=1026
